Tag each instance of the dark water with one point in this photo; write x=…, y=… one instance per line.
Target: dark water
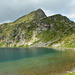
x=10, y=54
x=35, y=61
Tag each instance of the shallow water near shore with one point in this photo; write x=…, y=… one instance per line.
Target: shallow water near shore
x=35, y=61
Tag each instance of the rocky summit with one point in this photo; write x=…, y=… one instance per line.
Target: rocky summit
x=37, y=30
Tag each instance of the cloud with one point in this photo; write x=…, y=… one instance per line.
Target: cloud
x=48, y=12
x=10, y=10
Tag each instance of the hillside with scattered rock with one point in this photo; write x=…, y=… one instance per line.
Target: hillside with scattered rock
x=37, y=30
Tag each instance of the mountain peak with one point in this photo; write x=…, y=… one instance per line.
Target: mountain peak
x=39, y=9
x=37, y=14
x=40, y=13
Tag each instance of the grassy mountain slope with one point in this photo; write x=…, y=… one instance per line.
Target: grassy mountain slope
x=37, y=30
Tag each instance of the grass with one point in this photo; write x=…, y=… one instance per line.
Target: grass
x=17, y=41
x=70, y=45
x=14, y=46
x=23, y=46
x=35, y=42
x=50, y=35
x=70, y=73
x=68, y=41
x=2, y=43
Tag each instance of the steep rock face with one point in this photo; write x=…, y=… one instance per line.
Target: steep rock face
x=35, y=28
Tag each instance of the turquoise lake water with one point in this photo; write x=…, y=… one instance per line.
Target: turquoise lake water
x=35, y=61
x=11, y=54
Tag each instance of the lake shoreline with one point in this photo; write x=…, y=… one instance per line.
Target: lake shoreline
x=62, y=48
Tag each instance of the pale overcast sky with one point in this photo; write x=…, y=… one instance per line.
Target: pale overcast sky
x=10, y=10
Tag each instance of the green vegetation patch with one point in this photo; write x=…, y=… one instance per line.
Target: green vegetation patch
x=70, y=73
x=2, y=43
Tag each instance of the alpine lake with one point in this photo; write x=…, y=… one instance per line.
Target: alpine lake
x=36, y=61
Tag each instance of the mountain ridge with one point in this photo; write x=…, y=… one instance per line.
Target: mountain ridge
x=37, y=30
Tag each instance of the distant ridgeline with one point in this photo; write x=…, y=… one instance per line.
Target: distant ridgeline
x=37, y=30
